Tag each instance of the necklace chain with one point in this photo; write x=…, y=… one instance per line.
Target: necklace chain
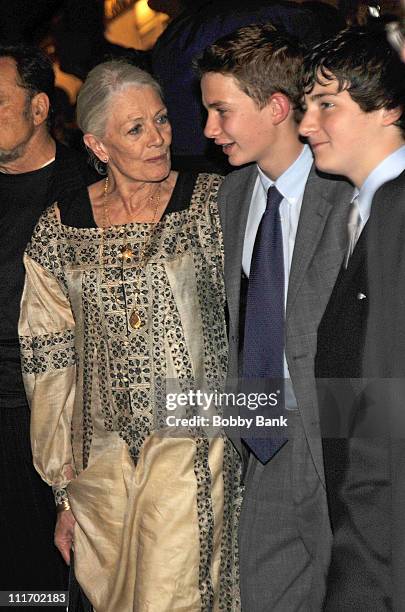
x=135, y=320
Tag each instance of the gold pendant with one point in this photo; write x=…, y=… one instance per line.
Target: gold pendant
x=126, y=253
x=135, y=320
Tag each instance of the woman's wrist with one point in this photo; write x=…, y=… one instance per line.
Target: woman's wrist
x=61, y=499
x=62, y=506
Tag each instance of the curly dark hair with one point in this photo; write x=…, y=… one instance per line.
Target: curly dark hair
x=363, y=63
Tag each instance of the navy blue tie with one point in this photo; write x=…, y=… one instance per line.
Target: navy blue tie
x=263, y=351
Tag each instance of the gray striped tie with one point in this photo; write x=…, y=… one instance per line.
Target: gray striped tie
x=353, y=229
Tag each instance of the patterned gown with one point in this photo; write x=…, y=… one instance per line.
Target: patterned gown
x=156, y=507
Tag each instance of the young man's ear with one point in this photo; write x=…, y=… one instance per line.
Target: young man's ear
x=40, y=108
x=280, y=107
x=391, y=116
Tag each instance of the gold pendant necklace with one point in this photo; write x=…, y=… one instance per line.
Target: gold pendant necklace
x=135, y=320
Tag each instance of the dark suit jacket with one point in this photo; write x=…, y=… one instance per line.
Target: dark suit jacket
x=366, y=480
x=384, y=359
x=340, y=345
x=342, y=401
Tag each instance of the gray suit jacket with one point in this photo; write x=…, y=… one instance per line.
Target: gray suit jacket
x=298, y=515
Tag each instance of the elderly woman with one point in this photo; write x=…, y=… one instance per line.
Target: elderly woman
x=124, y=300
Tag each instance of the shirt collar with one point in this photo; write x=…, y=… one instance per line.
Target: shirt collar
x=291, y=183
x=388, y=169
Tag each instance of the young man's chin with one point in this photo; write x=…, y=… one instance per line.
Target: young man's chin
x=239, y=160
x=324, y=166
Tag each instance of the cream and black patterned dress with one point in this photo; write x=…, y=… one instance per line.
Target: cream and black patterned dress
x=156, y=507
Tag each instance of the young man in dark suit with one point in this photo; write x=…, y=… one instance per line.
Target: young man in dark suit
x=251, y=88
x=355, y=124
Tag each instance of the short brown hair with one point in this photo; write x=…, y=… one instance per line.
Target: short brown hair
x=262, y=60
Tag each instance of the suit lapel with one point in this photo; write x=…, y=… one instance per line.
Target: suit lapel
x=316, y=206
x=321, y=198
x=235, y=214
x=356, y=260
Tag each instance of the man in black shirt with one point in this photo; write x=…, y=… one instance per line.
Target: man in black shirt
x=34, y=172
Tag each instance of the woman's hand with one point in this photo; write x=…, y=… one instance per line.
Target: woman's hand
x=64, y=534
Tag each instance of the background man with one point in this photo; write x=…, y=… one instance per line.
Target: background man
x=251, y=87
x=34, y=172
x=355, y=124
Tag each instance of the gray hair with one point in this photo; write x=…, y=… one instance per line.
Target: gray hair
x=105, y=80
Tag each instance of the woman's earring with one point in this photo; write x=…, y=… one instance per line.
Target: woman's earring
x=106, y=160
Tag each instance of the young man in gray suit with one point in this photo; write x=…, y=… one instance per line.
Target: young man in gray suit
x=251, y=88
